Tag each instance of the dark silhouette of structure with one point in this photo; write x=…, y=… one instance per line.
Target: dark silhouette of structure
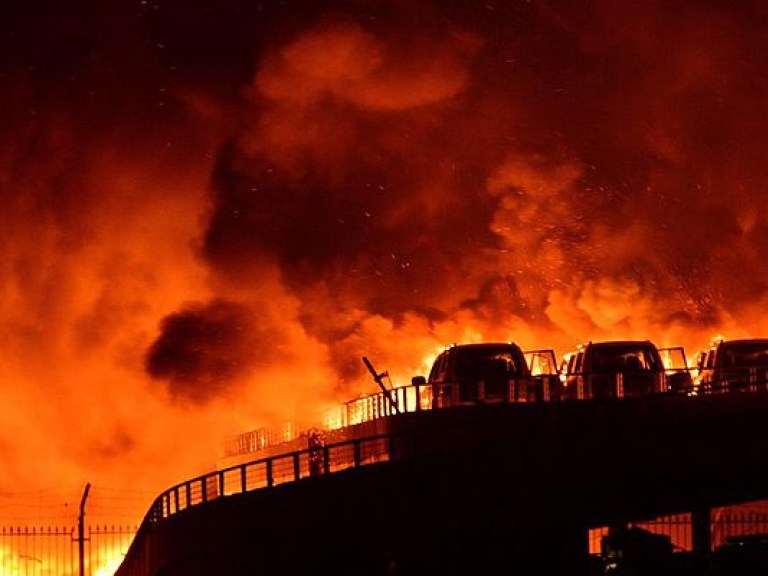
x=502, y=484
x=478, y=487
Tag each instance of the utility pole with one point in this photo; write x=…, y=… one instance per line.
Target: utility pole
x=81, y=530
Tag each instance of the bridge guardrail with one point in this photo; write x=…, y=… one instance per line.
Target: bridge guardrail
x=279, y=469
x=270, y=472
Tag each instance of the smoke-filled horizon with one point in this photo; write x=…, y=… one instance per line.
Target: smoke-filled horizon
x=212, y=211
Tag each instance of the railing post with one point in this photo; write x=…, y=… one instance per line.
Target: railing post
x=270, y=477
x=619, y=385
x=326, y=460
x=356, y=458
x=243, y=479
x=701, y=530
x=204, y=489
x=296, y=466
x=417, y=388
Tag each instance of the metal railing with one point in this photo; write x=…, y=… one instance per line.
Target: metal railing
x=748, y=379
x=290, y=467
x=725, y=523
x=426, y=396
x=53, y=550
x=270, y=472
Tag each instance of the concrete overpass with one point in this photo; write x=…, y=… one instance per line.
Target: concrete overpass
x=483, y=489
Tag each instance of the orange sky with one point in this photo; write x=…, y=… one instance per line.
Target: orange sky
x=210, y=213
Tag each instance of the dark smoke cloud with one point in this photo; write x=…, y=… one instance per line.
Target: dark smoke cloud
x=206, y=347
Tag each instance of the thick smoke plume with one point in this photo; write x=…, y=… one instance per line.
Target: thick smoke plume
x=211, y=211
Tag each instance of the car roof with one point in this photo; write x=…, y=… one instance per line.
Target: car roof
x=744, y=341
x=621, y=343
x=614, y=344
x=482, y=345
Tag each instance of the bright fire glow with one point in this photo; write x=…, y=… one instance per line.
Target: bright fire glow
x=203, y=233
x=109, y=566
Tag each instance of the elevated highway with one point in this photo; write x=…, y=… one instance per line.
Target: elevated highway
x=482, y=489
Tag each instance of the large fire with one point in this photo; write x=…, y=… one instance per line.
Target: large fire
x=210, y=214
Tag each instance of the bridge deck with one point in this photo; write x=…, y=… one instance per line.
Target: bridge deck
x=513, y=485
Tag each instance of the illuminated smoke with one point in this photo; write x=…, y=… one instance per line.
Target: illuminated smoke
x=210, y=214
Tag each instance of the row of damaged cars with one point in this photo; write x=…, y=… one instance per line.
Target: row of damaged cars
x=488, y=372
x=635, y=368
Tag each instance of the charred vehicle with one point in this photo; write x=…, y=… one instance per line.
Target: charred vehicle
x=732, y=366
x=618, y=369
x=491, y=372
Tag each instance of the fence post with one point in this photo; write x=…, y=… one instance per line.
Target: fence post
x=326, y=460
x=356, y=452
x=701, y=530
x=80, y=531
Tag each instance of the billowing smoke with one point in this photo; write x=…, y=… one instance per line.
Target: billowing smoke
x=203, y=349
x=210, y=213
x=584, y=170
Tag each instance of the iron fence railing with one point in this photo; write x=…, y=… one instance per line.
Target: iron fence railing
x=258, y=475
x=270, y=472
x=426, y=396
x=724, y=522
x=53, y=550
x=748, y=379
x=293, y=466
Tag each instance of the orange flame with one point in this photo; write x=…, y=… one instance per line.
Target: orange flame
x=202, y=234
